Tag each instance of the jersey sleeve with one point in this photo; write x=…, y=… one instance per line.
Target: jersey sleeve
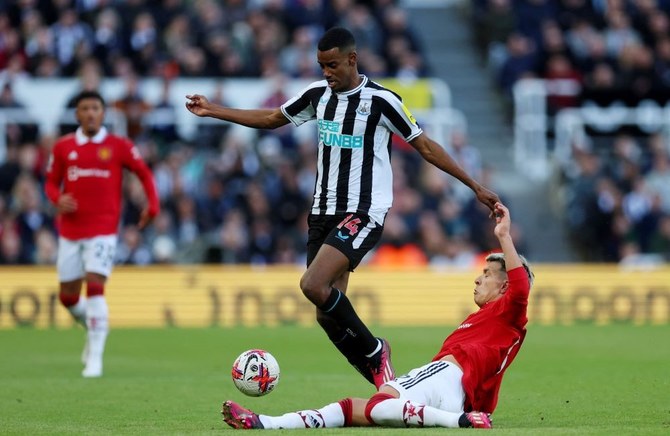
x=515, y=303
x=54, y=175
x=300, y=108
x=132, y=159
x=398, y=118
x=519, y=286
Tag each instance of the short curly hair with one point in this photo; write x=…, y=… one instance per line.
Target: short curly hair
x=337, y=37
x=88, y=94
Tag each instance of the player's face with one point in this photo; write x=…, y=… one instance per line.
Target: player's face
x=489, y=285
x=339, y=68
x=90, y=114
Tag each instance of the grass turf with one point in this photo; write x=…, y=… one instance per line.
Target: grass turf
x=583, y=380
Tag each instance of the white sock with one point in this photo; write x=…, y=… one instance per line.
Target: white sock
x=97, y=322
x=78, y=311
x=395, y=412
x=329, y=416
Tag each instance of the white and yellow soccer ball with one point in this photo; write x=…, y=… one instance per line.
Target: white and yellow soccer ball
x=255, y=373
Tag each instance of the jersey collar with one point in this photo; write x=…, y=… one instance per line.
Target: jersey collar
x=364, y=80
x=97, y=139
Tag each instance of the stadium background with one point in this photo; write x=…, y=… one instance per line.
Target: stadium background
x=235, y=196
x=558, y=105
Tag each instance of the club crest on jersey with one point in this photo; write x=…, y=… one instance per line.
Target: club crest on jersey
x=104, y=153
x=363, y=109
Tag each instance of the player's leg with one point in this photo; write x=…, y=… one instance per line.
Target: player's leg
x=98, y=255
x=335, y=312
x=335, y=247
x=416, y=399
x=344, y=342
x=345, y=413
x=70, y=274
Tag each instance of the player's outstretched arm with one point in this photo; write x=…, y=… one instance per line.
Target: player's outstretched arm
x=502, y=232
x=434, y=153
x=255, y=118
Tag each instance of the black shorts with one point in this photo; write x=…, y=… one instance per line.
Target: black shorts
x=351, y=233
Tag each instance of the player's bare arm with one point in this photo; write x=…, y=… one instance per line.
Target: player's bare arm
x=436, y=155
x=255, y=118
x=502, y=232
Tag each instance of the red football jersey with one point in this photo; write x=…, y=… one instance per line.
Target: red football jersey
x=487, y=341
x=91, y=169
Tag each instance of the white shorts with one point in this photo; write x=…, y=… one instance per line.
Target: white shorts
x=77, y=257
x=437, y=384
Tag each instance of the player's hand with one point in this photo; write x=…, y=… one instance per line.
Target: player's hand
x=197, y=104
x=489, y=198
x=145, y=218
x=66, y=203
x=503, y=220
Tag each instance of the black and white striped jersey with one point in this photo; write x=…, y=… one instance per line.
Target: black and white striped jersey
x=354, y=159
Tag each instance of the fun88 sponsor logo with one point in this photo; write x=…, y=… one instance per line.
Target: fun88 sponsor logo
x=329, y=135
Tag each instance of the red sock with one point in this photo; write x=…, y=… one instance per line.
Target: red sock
x=347, y=409
x=94, y=288
x=374, y=400
x=68, y=300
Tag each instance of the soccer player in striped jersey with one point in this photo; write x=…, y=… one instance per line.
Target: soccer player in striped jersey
x=355, y=118
x=459, y=387
x=84, y=182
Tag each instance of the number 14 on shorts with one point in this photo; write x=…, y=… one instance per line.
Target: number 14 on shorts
x=350, y=224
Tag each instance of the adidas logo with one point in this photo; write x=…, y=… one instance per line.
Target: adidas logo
x=73, y=155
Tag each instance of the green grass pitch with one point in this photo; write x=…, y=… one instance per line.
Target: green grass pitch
x=579, y=380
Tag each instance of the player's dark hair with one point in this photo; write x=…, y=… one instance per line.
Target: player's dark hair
x=337, y=37
x=88, y=94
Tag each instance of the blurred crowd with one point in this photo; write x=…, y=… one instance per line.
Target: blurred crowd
x=216, y=38
x=226, y=198
x=587, y=50
x=616, y=189
x=617, y=199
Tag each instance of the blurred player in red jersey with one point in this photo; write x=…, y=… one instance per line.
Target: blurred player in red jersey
x=84, y=182
x=459, y=387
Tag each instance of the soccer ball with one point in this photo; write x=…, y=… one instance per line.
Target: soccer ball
x=255, y=373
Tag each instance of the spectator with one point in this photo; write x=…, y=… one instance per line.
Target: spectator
x=46, y=247
x=134, y=107
x=521, y=61
x=10, y=245
x=660, y=240
x=30, y=217
x=563, y=84
x=132, y=250
x=619, y=33
x=72, y=39
x=107, y=37
x=658, y=179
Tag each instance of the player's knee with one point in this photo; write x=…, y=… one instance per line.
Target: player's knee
x=68, y=299
x=69, y=292
x=376, y=413
x=312, y=289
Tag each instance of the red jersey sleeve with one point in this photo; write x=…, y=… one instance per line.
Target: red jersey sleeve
x=134, y=162
x=515, y=303
x=54, y=176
